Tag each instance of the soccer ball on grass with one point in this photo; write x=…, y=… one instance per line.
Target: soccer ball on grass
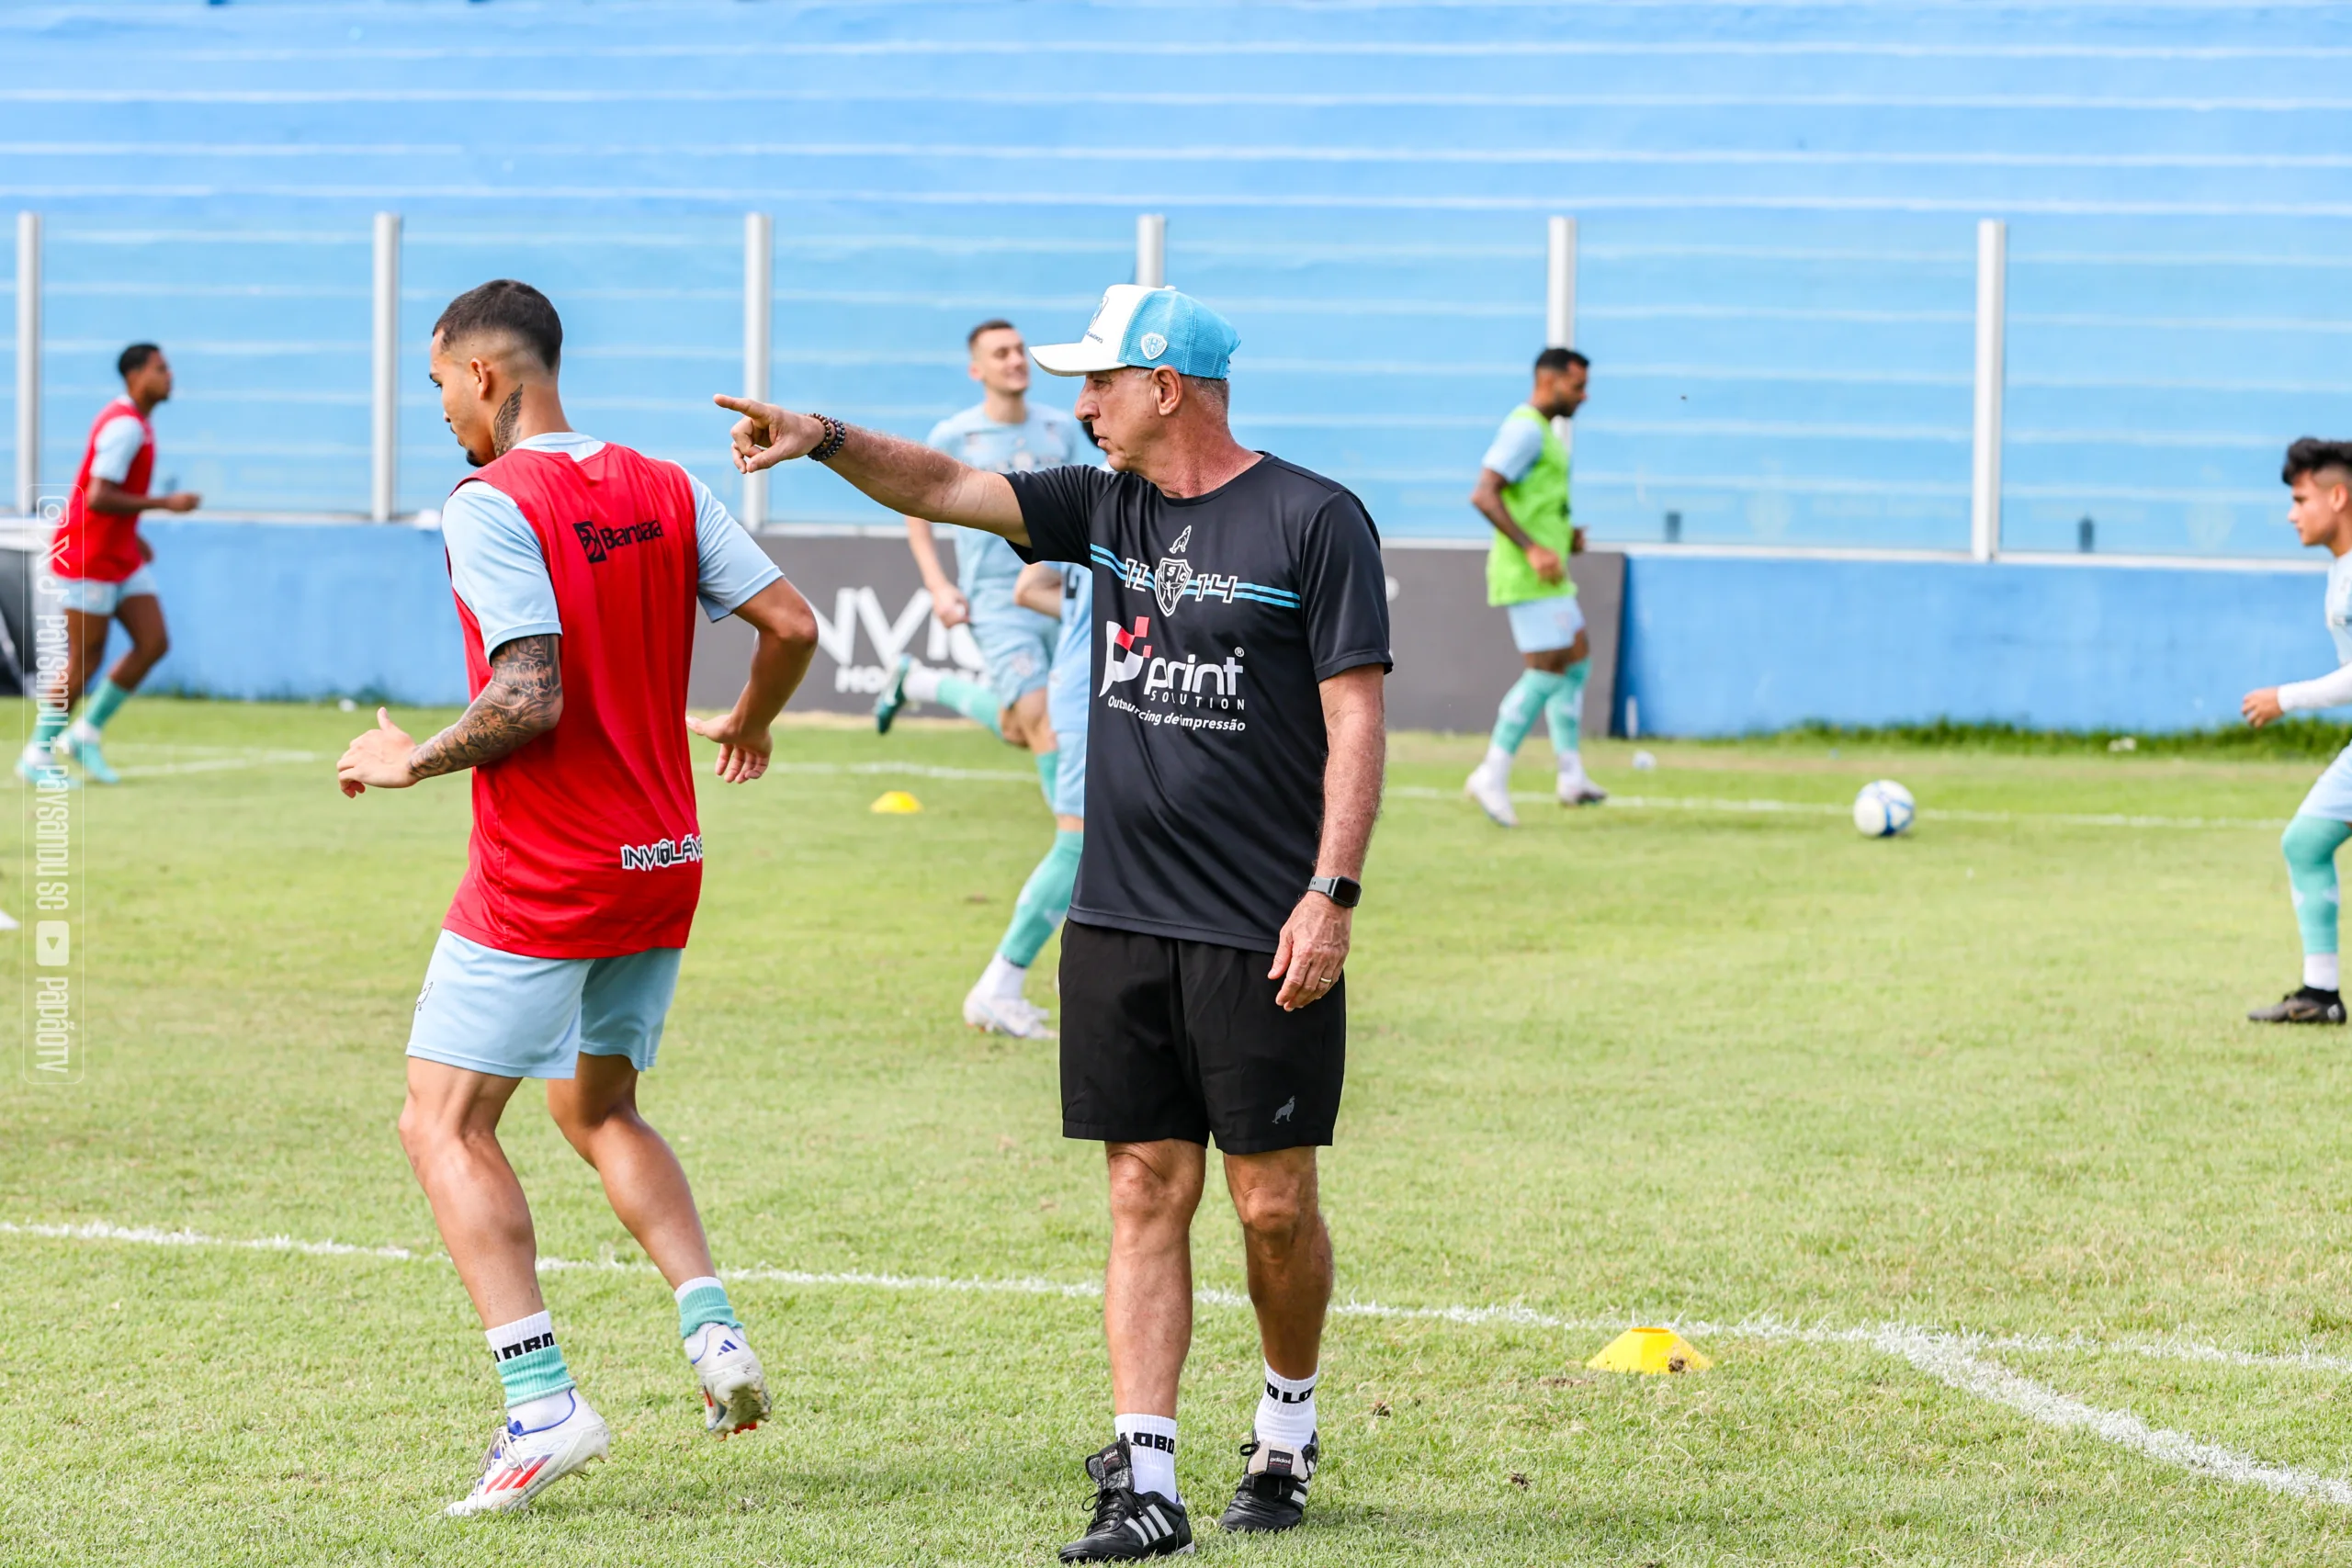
x=1884, y=810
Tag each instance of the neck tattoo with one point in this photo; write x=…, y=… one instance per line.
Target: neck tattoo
x=501, y=429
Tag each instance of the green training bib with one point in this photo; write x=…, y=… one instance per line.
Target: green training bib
x=1538, y=503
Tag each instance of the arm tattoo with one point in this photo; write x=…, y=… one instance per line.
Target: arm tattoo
x=501, y=428
x=523, y=701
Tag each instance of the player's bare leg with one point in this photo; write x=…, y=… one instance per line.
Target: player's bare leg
x=596, y=1112
x=1289, y=1252
x=449, y=1128
x=142, y=616
x=85, y=645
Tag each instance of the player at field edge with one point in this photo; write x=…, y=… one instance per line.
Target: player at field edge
x=1003, y=434
x=99, y=563
x=2319, y=475
x=1523, y=490
x=576, y=565
x=1235, y=741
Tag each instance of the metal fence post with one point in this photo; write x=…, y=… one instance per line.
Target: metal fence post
x=1992, y=313
x=758, y=321
x=1560, y=300
x=384, y=387
x=1151, y=250
x=28, y=361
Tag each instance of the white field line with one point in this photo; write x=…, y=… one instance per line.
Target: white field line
x=1954, y=1360
x=1830, y=808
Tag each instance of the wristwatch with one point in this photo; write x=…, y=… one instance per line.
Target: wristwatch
x=1344, y=891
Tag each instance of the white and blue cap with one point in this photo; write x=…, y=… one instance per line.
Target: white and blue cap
x=1146, y=328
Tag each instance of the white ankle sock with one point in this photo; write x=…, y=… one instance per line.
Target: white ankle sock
x=1572, y=766
x=1151, y=1446
x=1498, y=763
x=1286, y=1410
x=1003, y=979
x=2321, y=970
x=923, y=683
x=538, y=1415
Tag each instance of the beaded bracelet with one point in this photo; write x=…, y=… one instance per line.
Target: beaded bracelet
x=836, y=435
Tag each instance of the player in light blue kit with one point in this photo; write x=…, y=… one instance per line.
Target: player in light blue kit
x=2320, y=474
x=1003, y=434
x=996, y=1002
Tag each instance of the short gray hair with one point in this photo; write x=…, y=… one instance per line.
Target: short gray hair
x=1216, y=391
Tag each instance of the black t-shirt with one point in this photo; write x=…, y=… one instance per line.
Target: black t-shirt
x=1215, y=618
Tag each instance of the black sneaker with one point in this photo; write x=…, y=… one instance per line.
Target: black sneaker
x=1272, y=1494
x=2306, y=1004
x=894, y=694
x=1128, y=1526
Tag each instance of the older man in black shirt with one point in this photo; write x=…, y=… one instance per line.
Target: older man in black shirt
x=1234, y=764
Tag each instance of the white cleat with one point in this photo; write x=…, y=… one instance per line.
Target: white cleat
x=1493, y=796
x=520, y=1464
x=734, y=1386
x=1006, y=1015
x=1575, y=789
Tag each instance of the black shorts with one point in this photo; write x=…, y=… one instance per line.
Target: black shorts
x=1163, y=1038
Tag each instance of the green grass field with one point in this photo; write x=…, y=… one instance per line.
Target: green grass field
x=1707, y=1062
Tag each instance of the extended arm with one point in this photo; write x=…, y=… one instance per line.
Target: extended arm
x=787, y=640
x=2332, y=690
x=1315, y=939
x=904, y=476
x=1487, y=497
x=521, y=702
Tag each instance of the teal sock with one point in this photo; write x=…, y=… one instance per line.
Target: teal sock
x=2310, y=844
x=974, y=701
x=48, y=726
x=703, y=1302
x=1045, y=899
x=1564, y=709
x=103, y=703
x=530, y=1363
x=1521, y=704
x=1049, y=774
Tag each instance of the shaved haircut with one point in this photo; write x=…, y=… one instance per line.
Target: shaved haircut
x=505, y=308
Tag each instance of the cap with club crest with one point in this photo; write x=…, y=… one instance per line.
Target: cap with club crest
x=1146, y=328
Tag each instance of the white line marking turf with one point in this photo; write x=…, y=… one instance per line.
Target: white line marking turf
x=1954, y=1360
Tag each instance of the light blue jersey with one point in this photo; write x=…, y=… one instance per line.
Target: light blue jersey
x=985, y=565
x=2339, y=606
x=1069, y=688
x=2331, y=796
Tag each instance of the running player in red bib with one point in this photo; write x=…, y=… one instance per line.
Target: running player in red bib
x=99, y=563
x=577, y=565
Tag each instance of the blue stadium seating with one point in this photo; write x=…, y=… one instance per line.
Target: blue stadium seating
x=1776, y=202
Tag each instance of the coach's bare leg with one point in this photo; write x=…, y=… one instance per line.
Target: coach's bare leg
x=596, y=1109
x=1147, y=1289
x=449, y=1128
x=1289, y=1251
x=142, y=617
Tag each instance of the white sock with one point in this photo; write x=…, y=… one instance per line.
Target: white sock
x=2321, y=971
x=1572, y=766
x=538, y=1415
x=1003, y=979
x=82, y=730
x=1286, y=1410
x=923, y=683
x=1151, y=1446
x=1498, y=763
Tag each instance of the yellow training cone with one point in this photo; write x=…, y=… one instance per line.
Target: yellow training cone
x=895, y=802
x=1649, y=1351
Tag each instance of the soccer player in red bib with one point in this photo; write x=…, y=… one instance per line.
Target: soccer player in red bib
x=577, y=566
x=99, y=565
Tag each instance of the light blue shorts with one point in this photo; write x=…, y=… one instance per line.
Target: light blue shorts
x=1545, y=626
x=2331, y=796
x=1017, y=645
x=514, y=1017
x=1069, y=780
x=92, y=597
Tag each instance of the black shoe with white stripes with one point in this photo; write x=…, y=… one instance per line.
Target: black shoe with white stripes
x=1272, y=1494
x=1128, y=1526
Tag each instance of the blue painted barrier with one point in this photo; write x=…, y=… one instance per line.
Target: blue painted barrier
x=1735, y=645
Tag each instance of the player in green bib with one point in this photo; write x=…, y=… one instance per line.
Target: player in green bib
x=1523, y=492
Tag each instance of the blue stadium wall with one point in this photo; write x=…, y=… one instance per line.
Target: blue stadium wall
x=1776, y=207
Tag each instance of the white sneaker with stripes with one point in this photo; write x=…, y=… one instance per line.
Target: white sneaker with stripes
x=522, y=1464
